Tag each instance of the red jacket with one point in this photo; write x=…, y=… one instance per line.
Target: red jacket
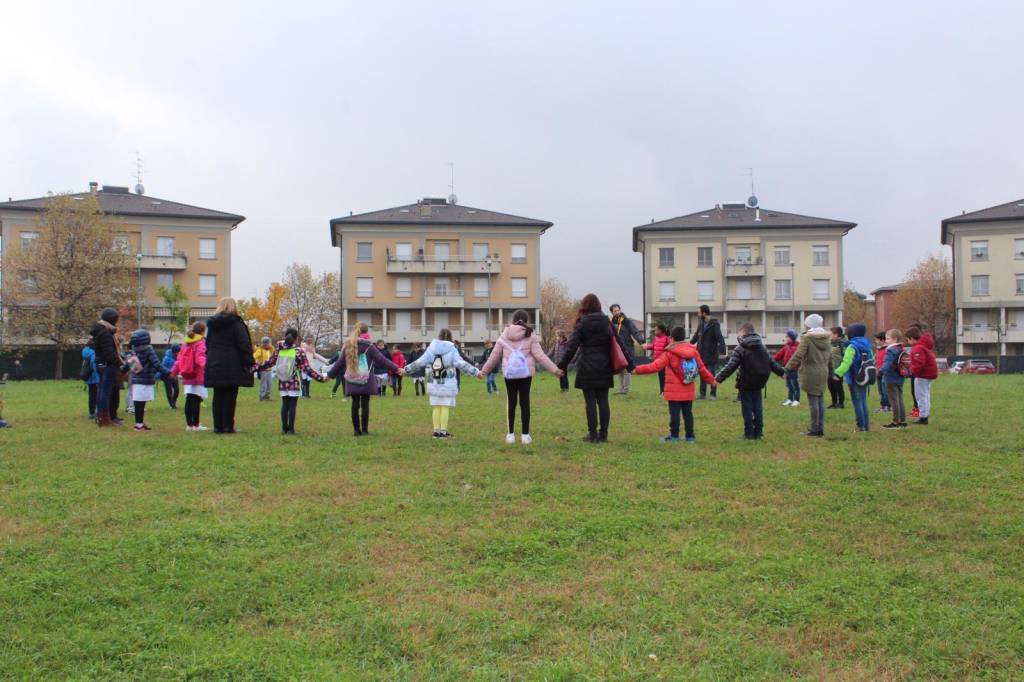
x=880, y=360
x=922, y=358
x=659, y=344
x=398, y=357
x=671, y=359
x=783, y=355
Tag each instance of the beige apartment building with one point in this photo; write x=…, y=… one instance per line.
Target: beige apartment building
x=172, y=243
x=412, y=270
x=988, y=279
x=747, y=264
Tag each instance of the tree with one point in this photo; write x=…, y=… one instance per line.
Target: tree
x=311, y=303
x=266, y=316
x=855, y=306
x=926, y=299
x=65, y=276
x=176, y=302
x=557, y=308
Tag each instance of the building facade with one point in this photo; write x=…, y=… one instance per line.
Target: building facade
x=747, y=264
x=172, y=243
x=885, y=301
x=988, y=279
x=412, y=270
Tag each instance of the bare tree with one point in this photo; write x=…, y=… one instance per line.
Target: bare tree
x=557, y=308
x=61, y=279
x=310, y=303
x=926, y=298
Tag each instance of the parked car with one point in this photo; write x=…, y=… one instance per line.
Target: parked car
x=957, y=368
x=943, y=365
x=978, y=367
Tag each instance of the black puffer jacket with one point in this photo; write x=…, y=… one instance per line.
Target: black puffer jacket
x=709, y=341
x=103, y=344
x=592, y=338
x=228, y=352
x=752, y=363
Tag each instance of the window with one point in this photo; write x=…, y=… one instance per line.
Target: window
x=743, y=289
x=403, y=251
x=479, y=320
x=364, y=287
x=519, y=253
x=122, y=243
x=780, y=322
x=1020, y=285
x=440, y=320
x=403, y=287
x=744, y=254
x=442, y=251
x=1018, y=248
x=165, y=246
x=704, y=257
x=705, y=291
x=441, y=286
x=27, y=238
x=666, y=291
x=207, y=285
x=364, y=252
x=979, y=250
x=782, y=255
x=165, y=280
x=403, y=321
x=481, y=251
x=481, y=287
x=979, y=285
x=29, y=284
x=207, y=248
x=821, y=255
x=519, y=287
x=666, y=258
x=784, y=289
x=821, y=289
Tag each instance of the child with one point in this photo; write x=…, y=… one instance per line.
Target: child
x=441, y=359
x=190, y=365
x=145, y=373
x=557, y=353
x=835, y=384
x=398, y=358
x=755, y=366
x=913, y=329
x=924, y=369
x=91, y=376
x=519, y=351
x=382, y=377
x=290, y=364
x=260, y=355
x=679, y=362
x=492, y=385
x=419, y=376
x=783, y=356
x=883, y=405
x=857, y=349
x=814, y=360
x=890, y=370
x=358, y=361
x=657, y=346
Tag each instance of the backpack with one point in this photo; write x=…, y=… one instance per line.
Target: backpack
x=134, y=364
x=360, y=374
x=284, y=367
x=187, y=361
x=86, y=372
x=689, y=370
x=903, y=363
x=867, y=372
x=438, y=368
x=516, y=365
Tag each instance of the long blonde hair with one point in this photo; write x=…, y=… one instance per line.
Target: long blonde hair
x=227, y=305
x=351, y=348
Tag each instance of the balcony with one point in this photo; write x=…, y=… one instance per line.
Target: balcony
x=744, y=267
x=453, y=265
x=979, y=333
x=443, y=299
x=426, y=333
x=151, y=260
x=738, y=304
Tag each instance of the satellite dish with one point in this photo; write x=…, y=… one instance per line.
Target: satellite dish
x=452, y=199
x=752, y=201
x=139, y=189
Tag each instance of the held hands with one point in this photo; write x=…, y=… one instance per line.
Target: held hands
x=401, y=371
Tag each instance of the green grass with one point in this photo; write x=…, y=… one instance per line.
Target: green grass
x=173, y=555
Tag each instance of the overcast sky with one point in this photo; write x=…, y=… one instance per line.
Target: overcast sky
x=596, y=116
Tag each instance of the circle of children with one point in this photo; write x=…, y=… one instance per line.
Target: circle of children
x=218, y=355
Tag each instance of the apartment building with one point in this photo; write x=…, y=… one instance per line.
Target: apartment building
x=173, y=243
x=748, y=264
x=988, y=279
x=412, y=270
x=885, y=304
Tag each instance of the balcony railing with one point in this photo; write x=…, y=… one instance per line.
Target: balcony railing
x=155, y=260
x=426, y=333
x=744, y=267
x=744, y=304
x=443, y=298
x=457, y=265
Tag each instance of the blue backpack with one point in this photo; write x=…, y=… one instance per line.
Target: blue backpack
x=687, y=371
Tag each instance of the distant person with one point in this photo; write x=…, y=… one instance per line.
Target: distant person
x=190, y=365
x=557, y=354
x=419, y=380
x=856, y=352
x=290, y=365
x=18, y=373
x=753, y=366
x=108, y=363
x=359, y=361
x=913, y=329
x=892, y=370
x=711, y=345
x=883, y=395
x=382, y=372
x=924, y=369
x=813, y=358
x=260, y=355
x=398, y=358
x=835, y=384
x=657, y=347
x=90, y=376
x=229, y=364
x=171, y=388
x=783, y=356
x=680, y=365
x=627, y=333
x=441, y=360
x=492, y=384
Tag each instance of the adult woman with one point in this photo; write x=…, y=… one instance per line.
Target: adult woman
x=108, y=363
x=229, y=362
x=592, y=337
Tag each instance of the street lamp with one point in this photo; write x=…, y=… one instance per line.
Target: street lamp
x=488, y=261
x=792, y=294
x=138, y=261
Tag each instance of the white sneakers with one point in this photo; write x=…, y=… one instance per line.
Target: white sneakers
x=788, y=403
x=795, y=403
x=526, y=440
x=510, y=439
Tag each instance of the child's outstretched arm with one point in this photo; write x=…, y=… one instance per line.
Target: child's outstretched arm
x=847, y=362
x=731, y=366
x=271, y=361
x=655, y=366
x=778, y=369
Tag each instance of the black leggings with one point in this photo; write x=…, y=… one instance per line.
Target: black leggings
x=361, y=413
x=93, y=388
x=340, y=381
x=192, y=404
x=396, y=385
x=289, y=405
x=835, y=387
x=224, y=400
x=518, y=390
x=661, y=381
x=172, y=390
x=140, y=412
x=597, y=406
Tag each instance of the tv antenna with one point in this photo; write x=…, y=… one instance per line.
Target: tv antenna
x=752, y=200
x=139, y=189
x=452, y=198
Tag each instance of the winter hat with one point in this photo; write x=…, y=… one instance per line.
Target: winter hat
x=813, y=321
x=175, y=348
x=856, y=329
x=109, y=315
x=791, y=333
x=265, y=340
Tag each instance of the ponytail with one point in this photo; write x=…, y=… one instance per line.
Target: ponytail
x=522, y=319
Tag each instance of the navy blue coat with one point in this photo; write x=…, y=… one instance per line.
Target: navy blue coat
x=148, y=358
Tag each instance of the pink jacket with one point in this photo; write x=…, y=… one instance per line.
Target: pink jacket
x=659, y=345
x=512, y=338
x=197, y=345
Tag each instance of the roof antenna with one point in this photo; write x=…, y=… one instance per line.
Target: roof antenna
x=452, y=198
x=752, y=200
x=139, y=189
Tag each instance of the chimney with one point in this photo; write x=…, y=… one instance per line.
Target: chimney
x=424, y=209
x=93, y=186
x=757, y=215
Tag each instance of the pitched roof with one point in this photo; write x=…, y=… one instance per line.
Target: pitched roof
x=1013, y=210
x=117, y=200
x=731, y=217
x=440, y=213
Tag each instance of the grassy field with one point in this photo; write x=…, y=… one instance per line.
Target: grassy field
x=174, y=555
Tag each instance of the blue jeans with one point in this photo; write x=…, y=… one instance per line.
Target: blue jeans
x=883, y=394
x=108, y=378
x=793, y=384
x=752, y=406
x=704, y=387
x=859, y=396
x=492, y=387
